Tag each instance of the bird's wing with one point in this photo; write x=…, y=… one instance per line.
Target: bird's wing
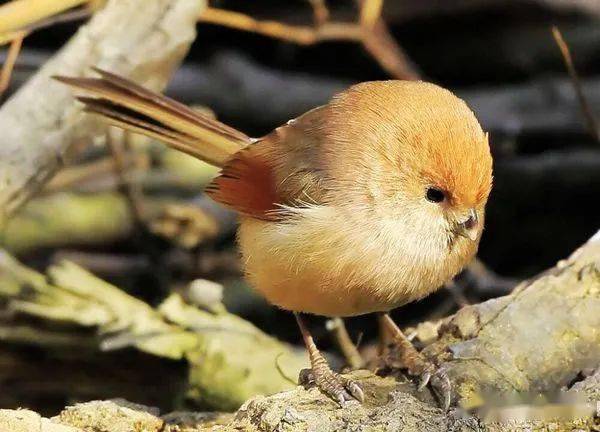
x=275, y=174
x=259, y=178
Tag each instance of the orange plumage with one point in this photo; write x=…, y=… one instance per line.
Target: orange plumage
x=350, y=230
x=361, y=205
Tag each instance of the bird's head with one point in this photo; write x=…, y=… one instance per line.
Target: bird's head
x=423, y=160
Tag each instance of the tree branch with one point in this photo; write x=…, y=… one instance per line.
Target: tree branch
x=38, y=132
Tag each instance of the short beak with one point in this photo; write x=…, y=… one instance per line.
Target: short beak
x=468, y=227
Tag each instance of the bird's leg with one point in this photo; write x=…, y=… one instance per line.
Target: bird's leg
x=337, y=387
x=403, y=355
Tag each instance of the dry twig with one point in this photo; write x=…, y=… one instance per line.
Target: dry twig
x=370, y=31
x=370, y=12
x=19, y=14
x=340, y=334
x=381, y=45
x=585, y=107
x=320, y=11
x=301, y=35
x=11, y=58
x=118, y=149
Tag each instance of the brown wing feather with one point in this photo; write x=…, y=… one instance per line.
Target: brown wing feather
x=247, y=184
x=282, y=169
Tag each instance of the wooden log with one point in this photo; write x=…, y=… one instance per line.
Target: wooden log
x=536, y=340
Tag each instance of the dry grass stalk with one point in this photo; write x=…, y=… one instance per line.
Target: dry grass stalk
x=338, y=329
x=119, y=149
x=590, y=120
x=74, y=15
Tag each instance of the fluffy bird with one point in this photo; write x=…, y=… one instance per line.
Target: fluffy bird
x=364, y=204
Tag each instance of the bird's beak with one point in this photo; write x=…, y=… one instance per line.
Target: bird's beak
x=469, y=227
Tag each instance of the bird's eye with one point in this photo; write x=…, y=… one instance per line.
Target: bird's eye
x=435, y=195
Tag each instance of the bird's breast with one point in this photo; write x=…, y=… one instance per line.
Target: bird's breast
x=319, y=262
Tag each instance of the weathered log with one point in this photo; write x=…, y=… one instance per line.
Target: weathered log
x=115, y=415
x=391, y=409
x=536, y=340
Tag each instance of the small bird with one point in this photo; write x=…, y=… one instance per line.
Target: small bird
x=364, y=204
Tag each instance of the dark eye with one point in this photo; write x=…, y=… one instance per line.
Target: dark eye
x=435, y=195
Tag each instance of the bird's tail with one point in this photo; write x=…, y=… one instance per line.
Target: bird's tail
x=132, y=107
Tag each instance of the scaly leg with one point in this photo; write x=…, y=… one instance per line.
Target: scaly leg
x=337, y=387
x=405, y=356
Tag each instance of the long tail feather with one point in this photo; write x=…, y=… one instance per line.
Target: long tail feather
x=132, y=107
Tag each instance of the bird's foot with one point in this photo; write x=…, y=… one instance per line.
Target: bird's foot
x=416, y=365
x=336, y=386
x=402, y=355
x=339, y=388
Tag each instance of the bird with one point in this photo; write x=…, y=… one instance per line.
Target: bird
x=364, y=204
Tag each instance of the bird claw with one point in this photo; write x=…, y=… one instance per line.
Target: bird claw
x=417, y=366
x=440, y=383
x=354, y=389
x=339, y=388
x=424, y=380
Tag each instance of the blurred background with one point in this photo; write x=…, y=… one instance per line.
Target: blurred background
x=499, y=55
